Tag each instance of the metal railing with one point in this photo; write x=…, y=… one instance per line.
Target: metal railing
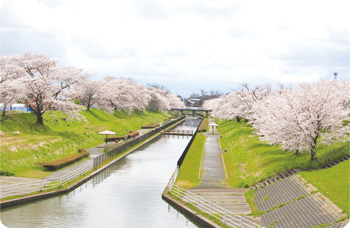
x=44, y=184
x=227, y=217
x=178, y=132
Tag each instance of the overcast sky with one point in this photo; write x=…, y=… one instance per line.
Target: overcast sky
x=185, y=45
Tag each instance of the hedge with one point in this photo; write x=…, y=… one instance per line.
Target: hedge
x=54, y=165
x=151, y=125
x=204, y=125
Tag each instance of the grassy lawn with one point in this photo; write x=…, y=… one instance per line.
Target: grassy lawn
x=59, y=137
x=248, y=160
x=189, y=171
x=333, y=183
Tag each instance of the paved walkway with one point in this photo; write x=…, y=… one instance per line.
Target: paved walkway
x=213, y=186
x=213, y=175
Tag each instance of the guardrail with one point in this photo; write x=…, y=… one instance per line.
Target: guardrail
x=227, y=217
x=55, y=183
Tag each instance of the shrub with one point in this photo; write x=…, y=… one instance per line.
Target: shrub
x=204, y=125
x=151, y=125
x=54, y=165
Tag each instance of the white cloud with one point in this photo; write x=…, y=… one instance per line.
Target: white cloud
x=208, y=44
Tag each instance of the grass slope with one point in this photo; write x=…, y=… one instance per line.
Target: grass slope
x=189, y=170
x=333, y=183
x=59, y=137
x=248, y=160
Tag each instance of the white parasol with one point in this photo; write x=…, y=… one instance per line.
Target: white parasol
x=106, y=132
x=213, y=125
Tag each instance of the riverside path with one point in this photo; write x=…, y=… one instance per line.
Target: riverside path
x=213, y=186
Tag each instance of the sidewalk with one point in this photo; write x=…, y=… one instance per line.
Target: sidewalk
x=212, y=165
x=213, y=186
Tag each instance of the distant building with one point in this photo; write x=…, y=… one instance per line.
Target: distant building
x=193, y=102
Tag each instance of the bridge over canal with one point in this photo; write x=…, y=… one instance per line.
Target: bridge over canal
x=192, y=109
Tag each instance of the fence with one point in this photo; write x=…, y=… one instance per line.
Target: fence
x=55, y=183
x=226, y=217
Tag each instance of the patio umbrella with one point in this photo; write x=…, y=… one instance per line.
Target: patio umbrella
x=106, y=132
x=213, y=125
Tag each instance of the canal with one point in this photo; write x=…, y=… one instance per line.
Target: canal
x=127, y=194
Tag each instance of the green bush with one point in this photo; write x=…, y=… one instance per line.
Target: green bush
x=204, y=125
x=151, y=125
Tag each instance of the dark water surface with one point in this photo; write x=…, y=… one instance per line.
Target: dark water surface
x=127, y=194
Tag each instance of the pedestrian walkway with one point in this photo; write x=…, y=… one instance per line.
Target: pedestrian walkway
x=213, y=173
x=213, y=186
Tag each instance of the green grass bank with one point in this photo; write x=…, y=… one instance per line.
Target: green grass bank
x=190, y=173
x=249, y=161
x=59, y=137
x=333, y=183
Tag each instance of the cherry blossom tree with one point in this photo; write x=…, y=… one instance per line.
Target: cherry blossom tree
x=47, y=86
x=299, y=119
x=88, y=92
x=174, y=101
x=123, y=94
x=238, y=104
x=159, y=100
x=11, y=86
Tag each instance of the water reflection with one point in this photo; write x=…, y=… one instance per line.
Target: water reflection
x=126, y=194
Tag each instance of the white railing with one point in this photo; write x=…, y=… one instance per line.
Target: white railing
x=227, y=217
x=42, y=185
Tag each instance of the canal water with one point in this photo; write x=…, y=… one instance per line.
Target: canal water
x=127, y=194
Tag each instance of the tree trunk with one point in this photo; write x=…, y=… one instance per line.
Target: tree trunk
x=238, y=119
x=313, y=153
x=4, y=111
x=39, y=118
x=313, y=147
x=297, y=152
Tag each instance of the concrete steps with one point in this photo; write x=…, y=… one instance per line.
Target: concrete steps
x=274, y=179
x=282, y=192
x=231, y=199
x=308, y=212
